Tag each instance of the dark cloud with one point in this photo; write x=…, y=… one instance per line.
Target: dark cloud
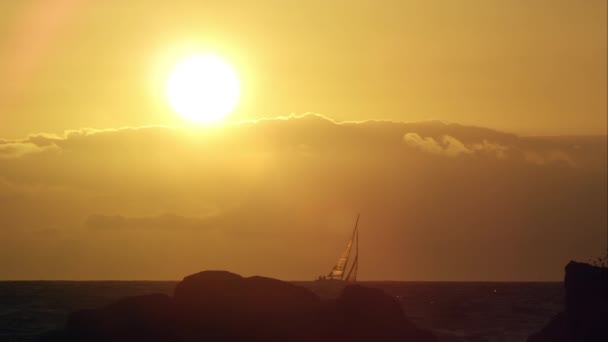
x=279, y=196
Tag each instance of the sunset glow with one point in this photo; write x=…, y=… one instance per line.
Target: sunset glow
x=154, y=139
x=399, y=170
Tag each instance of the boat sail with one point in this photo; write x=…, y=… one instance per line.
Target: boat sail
x=338, y=272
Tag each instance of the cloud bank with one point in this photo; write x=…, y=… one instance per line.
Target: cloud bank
x=278, y=197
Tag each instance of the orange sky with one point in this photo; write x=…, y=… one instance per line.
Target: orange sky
x=418, y=103
x=279, y=198
x=527, y=67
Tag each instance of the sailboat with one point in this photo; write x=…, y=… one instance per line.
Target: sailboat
x=338, y=272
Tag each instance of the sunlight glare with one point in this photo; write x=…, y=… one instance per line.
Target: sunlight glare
x=203, y=88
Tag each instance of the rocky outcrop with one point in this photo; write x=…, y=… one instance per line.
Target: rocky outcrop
x=223, y=306
x=230, y=307
x=371, y=315
x=585, y=318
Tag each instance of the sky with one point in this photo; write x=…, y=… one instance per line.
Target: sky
x=469, y=135
x=534, y=68
x=279, y=197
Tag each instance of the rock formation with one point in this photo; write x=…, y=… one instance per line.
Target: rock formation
x=585, y=318
x=223, y=306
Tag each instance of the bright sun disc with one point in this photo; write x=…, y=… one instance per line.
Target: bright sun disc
x=203, y=88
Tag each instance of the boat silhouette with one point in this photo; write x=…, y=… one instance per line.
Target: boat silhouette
x=338, y=271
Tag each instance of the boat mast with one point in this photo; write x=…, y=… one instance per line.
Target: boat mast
x=355, y=264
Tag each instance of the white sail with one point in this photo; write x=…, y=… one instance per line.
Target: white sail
x=339, y=269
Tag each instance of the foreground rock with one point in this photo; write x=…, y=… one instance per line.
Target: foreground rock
x=585, y=318
x=223, y=306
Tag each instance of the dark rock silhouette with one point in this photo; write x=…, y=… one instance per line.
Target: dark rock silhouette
x=371, y=315
x=585, y=318
x=147, y=317
x=230, y=307
x=223, y=306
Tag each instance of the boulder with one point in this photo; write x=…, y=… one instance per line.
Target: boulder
x=224, y=291
x=228, y=306
x=369, y=314
x=585, y=318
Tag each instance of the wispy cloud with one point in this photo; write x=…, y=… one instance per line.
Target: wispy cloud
x=19, y=149
x=448, y=145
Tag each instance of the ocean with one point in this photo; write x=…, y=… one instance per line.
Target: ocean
x=454, y=311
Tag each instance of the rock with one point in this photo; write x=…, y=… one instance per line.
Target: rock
x=369, y=314
x=586, y=291
x=223, y=306
x=225, y=291
x=585, y=318
x=232, y=307
x=140, y=318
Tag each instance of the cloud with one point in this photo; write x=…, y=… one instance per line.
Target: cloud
x=279, y=197
x=539, y=158
x=297, y=132
x=495, y=149
x=448, y=146
x=18, y=149
x=427, y=144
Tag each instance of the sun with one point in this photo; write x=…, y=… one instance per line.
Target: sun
x=203, y=88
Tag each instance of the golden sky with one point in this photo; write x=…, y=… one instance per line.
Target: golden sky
x=279, y=197
x=531, y=67
x=470, y=135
